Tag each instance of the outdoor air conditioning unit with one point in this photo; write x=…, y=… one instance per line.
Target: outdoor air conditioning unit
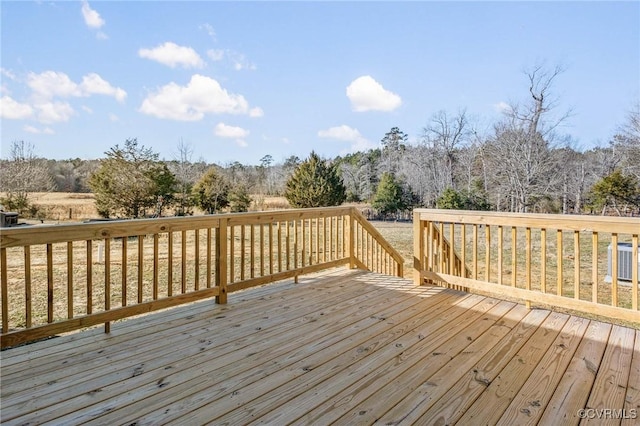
x=625, y=261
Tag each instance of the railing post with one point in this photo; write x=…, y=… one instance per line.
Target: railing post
x=221, y=261
x=418, y=249
x=351, y=238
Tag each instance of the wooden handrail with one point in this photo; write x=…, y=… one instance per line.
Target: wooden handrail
x=379, y=239
x=542, y=267
x=59, y=278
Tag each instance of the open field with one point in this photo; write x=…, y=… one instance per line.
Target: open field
x=58, y=207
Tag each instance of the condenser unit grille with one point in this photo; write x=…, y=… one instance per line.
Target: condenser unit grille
x=625, y=262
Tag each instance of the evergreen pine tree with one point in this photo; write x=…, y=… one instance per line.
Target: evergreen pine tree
x=390, y=197
x=314, y=183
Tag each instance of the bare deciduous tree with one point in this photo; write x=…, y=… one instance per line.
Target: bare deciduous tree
x=519, y=153
x=22, y=174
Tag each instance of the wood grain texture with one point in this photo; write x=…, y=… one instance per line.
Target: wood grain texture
x=342, y=346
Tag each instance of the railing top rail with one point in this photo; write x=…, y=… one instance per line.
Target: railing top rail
x=46, y=234
x=628, y=225
x=378, y=236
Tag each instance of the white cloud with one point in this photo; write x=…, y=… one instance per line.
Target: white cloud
x=87, y=109
x=50, y=84
x=203, y=95
x=8, y=74
x=215, y=54
x=54, y=112
x=13, y=110
x=91, y=17
x=101, y=36
x=240, y=62
x=35, y=130
x=94, y=84
x=256, y=112
x=113, y=118
x=366, y=94
x=172, y=55
x=347, y=134
x=237, y=60
x=224, y=131
x=502, y=107
x=231, y=132
x=209, y=30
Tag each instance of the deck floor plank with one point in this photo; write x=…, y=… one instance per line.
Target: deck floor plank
x=572, y=392
x=525, y=409
x=340, y=347
x=399, y=352
x=452, y=405
x=429, y=373
x=611, y=382
x=505, y=386
x=632, y=400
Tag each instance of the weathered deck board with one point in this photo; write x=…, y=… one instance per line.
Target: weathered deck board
x=341, y=347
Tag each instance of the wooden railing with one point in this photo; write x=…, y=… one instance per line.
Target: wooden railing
x=555, y=260
x=61, y=278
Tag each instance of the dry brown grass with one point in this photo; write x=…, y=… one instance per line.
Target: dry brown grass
x=58, y=207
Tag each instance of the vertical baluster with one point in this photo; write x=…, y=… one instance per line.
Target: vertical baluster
x=452, y=253
x=594, y=267
x=295, y=244
x=183, y=264
x=4, y=289
x=634, y=272
x=559, y=266
x=304, y=242
x=463, y=251
x=528, y=263
x=475, y=251
x=243, y=252
x=170, y=264
x=89, y=277
x=324, y=239
x=107, y=281
x=333, y=241
x=500, y=231
x=156, y=265
x=441, y=249
x=27, y=286
x=431, y=246
x=279, y=246
x=487, y=257
x=196, y=259
x=317, y=240
x=287, y=246
x=514, y=256
x=262, y=250
x=123, y=270
x=543, y=260
x=49, y=283
x=252, y=250
x=209, y=264
x=270, y=248
x=576, y=270
x=69, y=279
x=232, y=253
x=614, y=269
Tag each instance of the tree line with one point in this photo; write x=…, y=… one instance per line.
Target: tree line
x=521, y=164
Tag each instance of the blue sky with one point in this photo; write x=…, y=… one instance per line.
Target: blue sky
x=239, y=80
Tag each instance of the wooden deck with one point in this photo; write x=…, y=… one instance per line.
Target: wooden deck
x=342, y=347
